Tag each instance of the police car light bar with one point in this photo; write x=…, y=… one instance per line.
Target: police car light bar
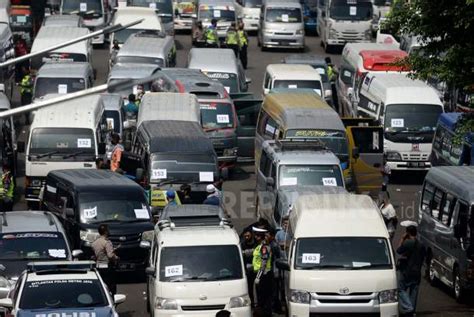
x=60, y=265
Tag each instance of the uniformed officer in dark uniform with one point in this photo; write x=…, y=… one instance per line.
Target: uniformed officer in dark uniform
x=262, y=267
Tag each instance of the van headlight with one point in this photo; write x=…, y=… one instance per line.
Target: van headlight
x=268, y=33
x=368, y=34
x=393, y=156
x=300, y=297
x=4, y=282
x=239, y=301
x=88, y=236
x=148, y=235
x=332, y=33
x=388, y=296
x=166, y=304
x=230, y=152
x=300, y=32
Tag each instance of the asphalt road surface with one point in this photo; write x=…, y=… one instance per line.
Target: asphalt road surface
x=404, y=188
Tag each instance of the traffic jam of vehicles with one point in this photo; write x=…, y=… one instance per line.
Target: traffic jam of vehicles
x=133, y=139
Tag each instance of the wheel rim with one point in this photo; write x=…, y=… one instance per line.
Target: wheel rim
x=457, y=285
x=431, y=270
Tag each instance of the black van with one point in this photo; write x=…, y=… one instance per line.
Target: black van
x=85, y=198
x=172, y=153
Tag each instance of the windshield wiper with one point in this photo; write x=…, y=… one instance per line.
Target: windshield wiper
x=46, y=154
x=387, y=265
x=324, y=266
x=108, y=221
x=74, y=154
x=220, y=278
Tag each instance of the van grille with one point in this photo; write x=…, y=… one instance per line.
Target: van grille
x=349, y=299
x=415, y=156
x=203, y=307
x=344, y=315
x=283, y=33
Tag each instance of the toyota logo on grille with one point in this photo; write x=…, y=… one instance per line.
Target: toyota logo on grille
x=344, y=291
x=123, y=238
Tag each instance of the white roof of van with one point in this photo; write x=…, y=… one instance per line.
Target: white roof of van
x=357, y=47
x=81, y=112
x=64, y=70
x=337, y=215
x=293, y=72
x=169, y=106
x=50, y=35
x=194, y=236
x=400, y=89
x=126, y=15
x=213, y=60
x=146, y=46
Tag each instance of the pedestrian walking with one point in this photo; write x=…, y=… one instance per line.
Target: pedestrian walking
x=412, y=255
x=276, y=254
x=213, y=197
x=106, y=258
x=117, y=152
x=232, y=39
x=212, y=39
x=248, y=244
x=7, y=190
x=243, y=44
x=262, y=268
x=389, y=216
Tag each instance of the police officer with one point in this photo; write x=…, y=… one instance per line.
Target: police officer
x=262, y=267
x=212, y=39
x=26, y=90
x=243, y=44
x=232, y=39
x=106, y=258
x=7, y=190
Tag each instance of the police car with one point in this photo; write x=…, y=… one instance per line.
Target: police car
x=60, y=289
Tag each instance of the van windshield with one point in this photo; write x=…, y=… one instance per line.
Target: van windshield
x=229, y=80
x=296, y=84
x=359, y=11
x=32, y=246
x=182, y=167
x=122, y=35
x=200, y=263
x=343, y=253
x=121, y=206
x=283, y=15
x=62, y=143
x=163, y=6
x=300, y=175
x=44, y=86
x=252, y=3
x=217, y=115
x=410, y=123
x=335, y=141
x=88, y=8
x=140, y=60
x=207, y=13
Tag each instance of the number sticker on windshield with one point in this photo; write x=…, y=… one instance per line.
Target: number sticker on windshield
x=227, y=89
x=217, y=13
x=83, y=7
x=321, y=71
x=318, y=91
x=21, y=19
x=223, y=118
x=57, y=253
x=153, y=5
x=206, y=176
x=311, y=258
x=141, y=213
x=329, y=181
x=285, y=18
x=289, y=181
x=158, y=174
x=110, y=123
x=84, y=143
x=62, y=89
x=352, y=10
x=292, y=86
x=173, y=270
x=90, y=213
x=397, y=123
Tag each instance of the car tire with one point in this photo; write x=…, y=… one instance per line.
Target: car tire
x=429, y=272
x=458, y=290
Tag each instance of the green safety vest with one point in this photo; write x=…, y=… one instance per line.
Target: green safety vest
x=8, y=186
x=242, y=38
x=211, y=36
x=257, y=260
x=232, y=38
x=25, y=85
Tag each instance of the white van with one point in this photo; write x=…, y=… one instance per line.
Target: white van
x=50, y=35
x=345, y=21
x=124, y=15
x=359, y=59
x=221, y=10
x=196, y=266
x=287, y=76
x=340, y=260
x=408, y=110
x=249, y=11
x=71, y=134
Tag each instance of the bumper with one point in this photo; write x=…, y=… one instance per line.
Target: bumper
x=293, y=41
x=384, y=310
x=340, y=42
x=183, y=24
x=132, y=257
x=236, y=312
x=409, y=165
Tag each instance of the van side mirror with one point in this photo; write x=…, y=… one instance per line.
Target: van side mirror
x=150, y=271
x=460, y=231
x=127, y=145
x=355, y=153
x=69, y=212
x=248, y=80
x=119, y=298
x=350, y=92
x=101, y=148
x=323, y=14
x=76, y=253
x=266, y=91
x=282, y=265
x=270, y=181
x=20, y=147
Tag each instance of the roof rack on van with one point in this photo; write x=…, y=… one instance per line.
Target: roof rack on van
x=295, y=144
x=150, y=33
x=193, y=221
x=60, y=266
x=193, y=216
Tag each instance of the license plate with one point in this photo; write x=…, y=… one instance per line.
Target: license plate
x=416, y=164
x=284, y=42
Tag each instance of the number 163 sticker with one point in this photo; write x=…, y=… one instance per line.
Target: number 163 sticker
x=311, y=258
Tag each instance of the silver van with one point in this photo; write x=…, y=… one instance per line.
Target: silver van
x=148, y=48
x=7, y=51
x=281, y=25
x=62, y=78
x=61, y=20
x=221, y=65
x=446, y=227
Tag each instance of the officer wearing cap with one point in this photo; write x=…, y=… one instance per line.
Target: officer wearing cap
x=170, y=197
x=262, y=267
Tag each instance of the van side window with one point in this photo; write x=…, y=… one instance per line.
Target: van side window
x=271, y=129
x=346, y=76
x=428, y=193
x=438, y=138
x=437, y=203
x=447, y=211
x=465, y=221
